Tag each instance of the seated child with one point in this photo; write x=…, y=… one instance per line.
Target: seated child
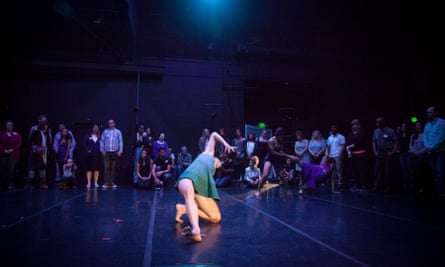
x=69, y=171
x=252, y=173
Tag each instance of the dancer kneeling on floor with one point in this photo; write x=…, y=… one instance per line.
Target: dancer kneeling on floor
x=197, y=185
x=314, y=173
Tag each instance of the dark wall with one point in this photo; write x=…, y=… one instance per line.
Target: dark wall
x=315, y=94
x=182, y=97
x=180, y=101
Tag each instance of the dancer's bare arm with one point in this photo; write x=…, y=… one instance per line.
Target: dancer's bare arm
x=215, y=137
x=292, y=157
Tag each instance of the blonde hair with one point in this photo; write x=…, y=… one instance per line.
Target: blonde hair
x=257, y=161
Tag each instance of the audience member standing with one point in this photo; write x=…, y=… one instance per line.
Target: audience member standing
x=335, y=150
x=111, y=147
x=138, y=145
x=301, y=150
x=203, y=140
x=63, y=150
x=356, y=145
x=317, y=147
x=40, y=139
x=434, y=140
x=57, y=137
x=252, y=148
x=240, y=155
x=93, y=155
x=406, y=176
x=422, y=173
x=160, y=142
x=10, y=145
x=148, y=142
x=220, y=147
x=184, y=159
x=384, y=145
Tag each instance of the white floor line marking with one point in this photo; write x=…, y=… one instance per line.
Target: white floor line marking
x=313, y=239
x=24, y=219
x=151, y=226
x=377, y=213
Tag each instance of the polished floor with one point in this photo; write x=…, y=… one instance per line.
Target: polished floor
x=133, y=227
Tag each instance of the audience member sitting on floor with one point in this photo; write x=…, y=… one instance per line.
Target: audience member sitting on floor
x=226, y=173
x=69, y=174
x=184, y=159
x=162, y=168
x=252, y=173
x=288, y=174
x=144, y=168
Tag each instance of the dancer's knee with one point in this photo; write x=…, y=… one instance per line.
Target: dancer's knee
x=215, y=218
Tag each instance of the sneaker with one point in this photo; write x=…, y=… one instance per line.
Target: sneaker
x=114, y=186
x=96, y=186
x=300, y=192
x=10, y=187
x=105, y=186
x=88, y=186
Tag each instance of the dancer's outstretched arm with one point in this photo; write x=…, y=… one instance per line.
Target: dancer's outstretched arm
x=215, y=137
x=295, y=158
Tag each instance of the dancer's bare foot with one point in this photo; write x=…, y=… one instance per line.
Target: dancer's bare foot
x=193, y=235
x=180, y=210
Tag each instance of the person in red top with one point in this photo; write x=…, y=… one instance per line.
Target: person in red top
x=10, y=145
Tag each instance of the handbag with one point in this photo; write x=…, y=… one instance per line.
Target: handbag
x=38, y=150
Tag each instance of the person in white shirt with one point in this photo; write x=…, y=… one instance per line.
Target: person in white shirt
x=335, y=150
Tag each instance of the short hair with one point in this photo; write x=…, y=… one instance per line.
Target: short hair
x=41, y=116
x=279, y=131
x=161, y=148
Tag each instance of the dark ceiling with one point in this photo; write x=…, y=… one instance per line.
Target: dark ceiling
x=226, y=29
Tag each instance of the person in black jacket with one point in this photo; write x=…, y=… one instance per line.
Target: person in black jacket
x=94, y=157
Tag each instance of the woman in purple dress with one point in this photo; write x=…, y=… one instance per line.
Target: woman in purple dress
x=314, y=173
